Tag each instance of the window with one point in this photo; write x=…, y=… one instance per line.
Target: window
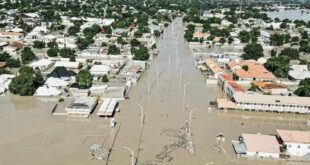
x=298, y=146
x=309, y=147
x=289, y=146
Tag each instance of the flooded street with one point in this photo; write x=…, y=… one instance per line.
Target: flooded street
x=29, y=135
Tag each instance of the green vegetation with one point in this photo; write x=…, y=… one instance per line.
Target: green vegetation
x=113, y=50
x=140, y=53
x=84, y=79
x=304, y=88
x=38, y=44
x=105, y=78
x=10, y=62
x=67, y=53
x=27, y=55
x=27, y=81
x=279, y=65
x=253, y=51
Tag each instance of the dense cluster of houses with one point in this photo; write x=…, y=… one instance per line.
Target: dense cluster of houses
x=60, y=73
x=247, y=84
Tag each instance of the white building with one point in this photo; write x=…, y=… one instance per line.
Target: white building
x=81, y=107
x=68, y=64
x=108, y=107
x=45, y=91
x=5, y=81
x=296, y=143
x=256, y=145
x=99, y=70
x=299, y=72
x=258, y=102
x=42, y=64
x=56, y=82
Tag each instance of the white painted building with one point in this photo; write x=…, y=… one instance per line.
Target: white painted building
x=81, y=107
x=42, y=64
x=68, y=64
x=258, y=102
x=99, y=70
x=260, y=146
x=296, y=143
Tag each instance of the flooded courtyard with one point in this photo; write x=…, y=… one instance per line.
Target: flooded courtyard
x=154, y=122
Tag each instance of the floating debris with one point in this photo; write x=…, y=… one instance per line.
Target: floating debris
x=98, y=152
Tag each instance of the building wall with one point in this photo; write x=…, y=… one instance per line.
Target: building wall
x=262, y=154
x=298, y=149
x=274, y=107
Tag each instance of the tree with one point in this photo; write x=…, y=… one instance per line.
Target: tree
x=67, y=53
x=52, y=52
x=303, y=91
x=235, y=76
x=120, y=40
x=291, y=53
x=52, y=44
x=107, y=29
x=38, y=44
x=245, y=67
x=305, y=82
x=13, y=63
x=230, y=40
x=4, y=71
x=138, y=34
x=105, y=78
x=273, y=53
x=134, y=42
x=73, y=30
x=276, y=39
x=113, y=50
x=222, y=40
x=84, y=79
x=26, y=83
x=27, y=55
x=245, y=36
x=253, y=51
x=140, y=53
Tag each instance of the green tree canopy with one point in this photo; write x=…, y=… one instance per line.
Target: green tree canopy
x=113, y=50
x=84, y=79
x=52, y=52
x=27, y=55
x=253, y=51
x=140, y=53
x=27, y=81
x=38, y=44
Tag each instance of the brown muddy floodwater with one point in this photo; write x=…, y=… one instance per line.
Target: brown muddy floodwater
x=30, y=135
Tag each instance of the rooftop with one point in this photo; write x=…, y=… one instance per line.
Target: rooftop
x=294, y=136
x=261, y=143
x=271, y=99
x=236, y=86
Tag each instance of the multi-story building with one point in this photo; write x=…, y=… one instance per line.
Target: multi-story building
x=295, y=143
x=258, y=102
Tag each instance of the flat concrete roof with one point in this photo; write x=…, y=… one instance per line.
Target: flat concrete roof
x=261, y=143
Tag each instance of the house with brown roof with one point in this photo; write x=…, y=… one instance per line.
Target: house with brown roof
x=213, y=68
x=253, y=72
x=295, y=143
x=272, y=88
x=229, y=86
x=11, y=36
